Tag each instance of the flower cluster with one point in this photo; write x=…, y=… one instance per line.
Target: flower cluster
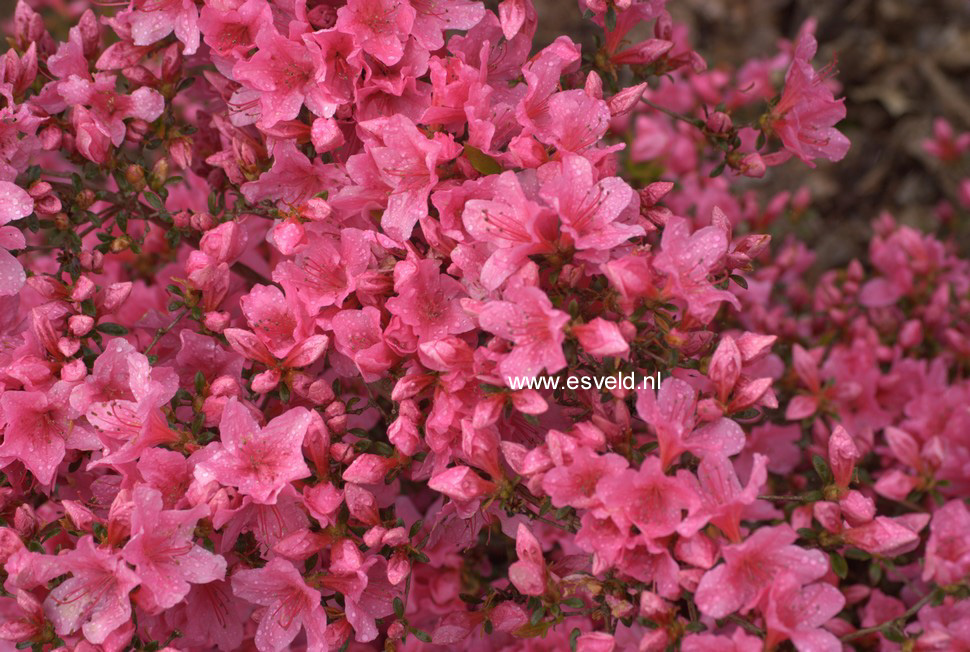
x=268, y=270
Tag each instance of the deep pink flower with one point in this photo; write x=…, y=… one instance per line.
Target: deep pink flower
x=427, y=300
x=514, y=225
x=688, y=259
x=108, y=107
x=805, y=115
x=288, y=606
x=153, y=20
x=528, y=320
x=528, y=573
x=231, y=30
x=287, y=74
x=379, y=27
x=795, y=612
x=948, y=549
x=260, y=462
x=163, y=551
x=596, y=214
x=39, y=427
x=751, y=567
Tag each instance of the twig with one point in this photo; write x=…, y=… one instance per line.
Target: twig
x=694, y=122
x=165, y=329
x=859, y=633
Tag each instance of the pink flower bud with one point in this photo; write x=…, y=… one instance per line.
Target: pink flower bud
x=719, y=123
x=115, y=295
x=461, y=484
x=752, y=165
x=80, y=325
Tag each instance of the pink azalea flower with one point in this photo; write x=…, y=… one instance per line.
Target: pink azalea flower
x=287, y=74
x=231, y=30
x=671, y=412
x=513, y=224
x=95, y=598
x=807, y=111
x=575, y=483
x=795, y=612
x=288, y=606
x=407, y=162
x=688, y=260
x=657, y=504
x=528, y=573
x=433, y=17
x=528, y=320
x=358, y=336
x=163, y=551
x=109, y=108
x=722, y=494
x=327, y=271
x=260, y=462
x=427, y=300
x=596, y=214
x=153, y=20
x=751, y=567
x=948, y=549
x=15, y=203
x=39, y=427
x=292, y=180
x=379, y=27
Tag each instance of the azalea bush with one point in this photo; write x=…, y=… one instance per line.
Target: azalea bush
x=272, y=275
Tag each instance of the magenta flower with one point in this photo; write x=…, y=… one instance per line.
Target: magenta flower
x=795, y=612
x=163, y=551
x=108, y=107
x=260, y=462
x=407, y=162
x=528, y=573
x=807, y=111
x=288, y=606
x=39, y=427
x=95, y=598
x=514, y=225
x=231, y=30
x=379, y=27
x=428, y=301
x=153, y=20
x=596, y=214
x=287, y=74
x=688, y=261
x=751, y=567
x=15, y=203
x=528, y=320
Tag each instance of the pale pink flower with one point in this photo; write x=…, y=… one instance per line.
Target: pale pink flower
x=795, y=612
x=528, y=574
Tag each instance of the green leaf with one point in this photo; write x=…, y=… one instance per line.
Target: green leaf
x=610, y=20
x=421, y=635
x=839, y=565
x=574, y=638
x=153, y=200
x=822, y=468
x=575, y=603
x=109, y=328
x=739, y=280
x=482, y=162
x=537, y=616
x=399, y=607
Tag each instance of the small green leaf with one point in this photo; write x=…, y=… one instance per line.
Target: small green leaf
x=822, y=468
x=482, y=162
x=154, y=200
x=740, y=280
x=399, y=607
x=610, y=20
x=109, y=328
x=421, y=635
x=537, y=616
x=839, y=565
x=574, y=638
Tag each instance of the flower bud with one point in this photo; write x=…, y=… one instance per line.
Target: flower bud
x=719, y=123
